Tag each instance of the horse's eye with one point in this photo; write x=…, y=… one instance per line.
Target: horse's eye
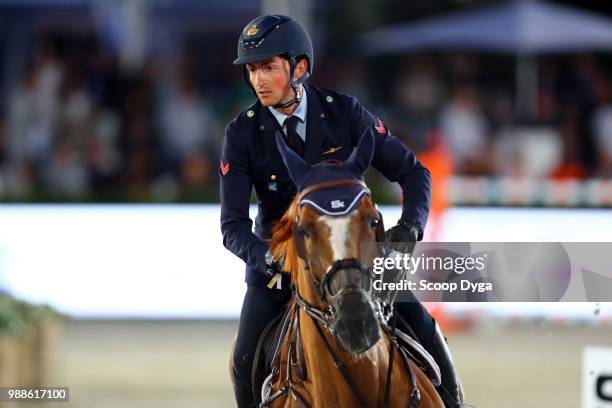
x=374, y=223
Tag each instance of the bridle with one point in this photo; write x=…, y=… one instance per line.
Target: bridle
x=326, y=317
x=322, y=285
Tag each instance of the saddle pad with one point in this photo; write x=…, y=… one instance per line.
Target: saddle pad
x=419, y=355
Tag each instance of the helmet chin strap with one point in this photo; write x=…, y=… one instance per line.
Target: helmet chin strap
x=295, y=83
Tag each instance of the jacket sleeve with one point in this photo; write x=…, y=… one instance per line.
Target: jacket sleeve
x=396, y=162
x=236, y=184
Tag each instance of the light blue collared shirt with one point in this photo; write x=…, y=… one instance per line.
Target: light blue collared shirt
x=300, y=112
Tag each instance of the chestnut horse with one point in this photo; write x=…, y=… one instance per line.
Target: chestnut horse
x=335, y=352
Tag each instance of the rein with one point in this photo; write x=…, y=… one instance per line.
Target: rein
x=316, y=315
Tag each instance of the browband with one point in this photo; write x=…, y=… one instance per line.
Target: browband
x=332, y=184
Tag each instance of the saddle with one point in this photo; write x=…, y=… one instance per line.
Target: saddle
x=411, y=349
x=273, y=353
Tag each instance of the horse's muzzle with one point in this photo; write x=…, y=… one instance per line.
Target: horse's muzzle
x=355, y=324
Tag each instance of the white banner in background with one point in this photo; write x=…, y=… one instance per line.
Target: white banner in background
x=168, y=260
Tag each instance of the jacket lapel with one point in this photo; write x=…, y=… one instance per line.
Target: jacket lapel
x=316, y=127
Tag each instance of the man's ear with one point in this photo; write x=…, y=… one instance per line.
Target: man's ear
x=300, y=68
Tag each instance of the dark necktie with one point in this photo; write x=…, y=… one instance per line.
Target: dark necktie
x=294, y=140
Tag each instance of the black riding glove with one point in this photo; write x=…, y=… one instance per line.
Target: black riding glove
x=401, y=239
x=404, y=235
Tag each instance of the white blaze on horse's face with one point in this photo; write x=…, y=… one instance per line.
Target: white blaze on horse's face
x=339, y=234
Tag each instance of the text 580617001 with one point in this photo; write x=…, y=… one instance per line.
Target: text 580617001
x=47, y=394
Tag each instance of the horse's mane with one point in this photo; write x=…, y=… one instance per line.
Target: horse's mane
x=282, y=244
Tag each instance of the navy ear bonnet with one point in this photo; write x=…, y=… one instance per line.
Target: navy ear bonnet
x=335, y=201
x=341, y=199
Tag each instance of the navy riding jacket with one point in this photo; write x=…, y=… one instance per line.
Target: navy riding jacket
x=250, y=159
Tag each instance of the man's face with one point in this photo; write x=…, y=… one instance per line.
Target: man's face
x=271, y=79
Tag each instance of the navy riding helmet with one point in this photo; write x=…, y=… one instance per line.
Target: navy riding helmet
x=275, y=35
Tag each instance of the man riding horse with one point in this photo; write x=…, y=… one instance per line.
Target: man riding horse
x=277, y=58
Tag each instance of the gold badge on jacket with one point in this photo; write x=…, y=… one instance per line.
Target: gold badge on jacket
x=332, y=150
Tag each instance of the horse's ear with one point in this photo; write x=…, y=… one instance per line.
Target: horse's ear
x=361, y=157
x=297, y=167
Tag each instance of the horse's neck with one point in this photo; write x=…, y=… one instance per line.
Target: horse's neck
x=368, y=372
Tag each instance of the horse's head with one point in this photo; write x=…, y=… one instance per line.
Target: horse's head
x=334, y=226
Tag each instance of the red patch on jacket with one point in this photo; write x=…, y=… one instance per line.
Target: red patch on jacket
x=224, y=167
x=380, y=127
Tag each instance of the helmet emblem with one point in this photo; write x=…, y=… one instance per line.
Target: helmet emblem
x=252, y=30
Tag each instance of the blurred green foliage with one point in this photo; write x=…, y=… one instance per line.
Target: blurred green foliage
x=18, y=319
